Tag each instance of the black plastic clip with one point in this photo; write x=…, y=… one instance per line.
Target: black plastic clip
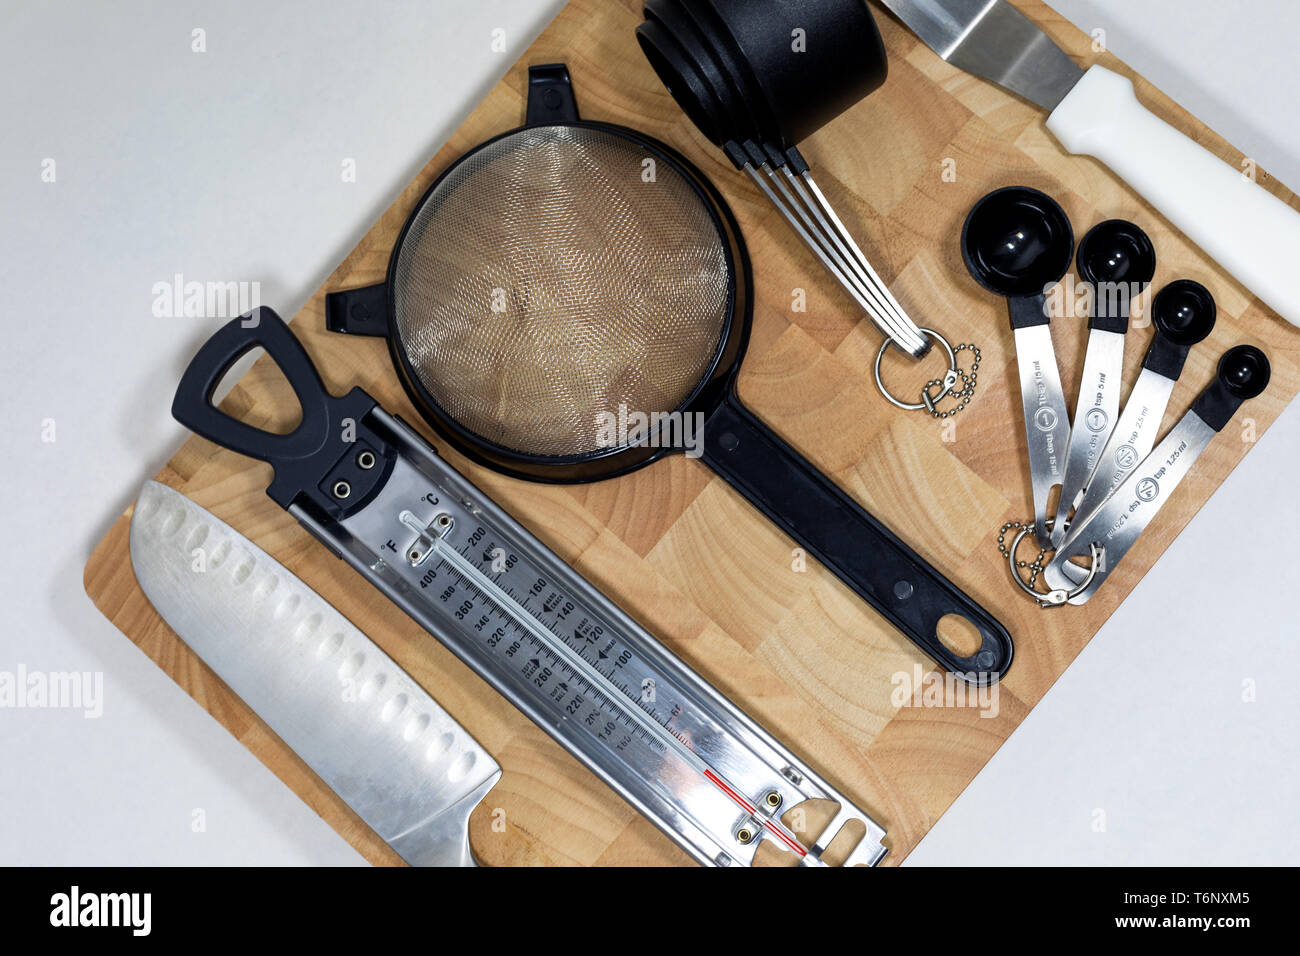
x=550, y=96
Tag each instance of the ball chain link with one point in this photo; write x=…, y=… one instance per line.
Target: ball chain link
x=962, y=395
x=1036, y=566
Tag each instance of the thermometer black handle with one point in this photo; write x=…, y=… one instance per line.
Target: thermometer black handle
x=332, y=461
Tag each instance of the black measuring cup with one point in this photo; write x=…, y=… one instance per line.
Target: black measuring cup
x=778, y=71
x=698, y=82
x=759, y=78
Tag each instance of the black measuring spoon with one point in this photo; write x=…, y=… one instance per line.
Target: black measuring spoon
x=1183, y=314
x=1114, y=527
x=1018, y=243
x=1117, y=261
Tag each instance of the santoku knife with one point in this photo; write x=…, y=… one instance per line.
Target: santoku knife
x=358, y=720
x=1249, y=231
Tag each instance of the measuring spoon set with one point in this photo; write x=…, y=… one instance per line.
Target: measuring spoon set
x=1110, y=476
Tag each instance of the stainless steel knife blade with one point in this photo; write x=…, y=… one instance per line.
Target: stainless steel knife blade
x=993, y=39
x=377, y=738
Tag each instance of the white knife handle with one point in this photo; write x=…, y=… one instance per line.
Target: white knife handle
x=1250, y=232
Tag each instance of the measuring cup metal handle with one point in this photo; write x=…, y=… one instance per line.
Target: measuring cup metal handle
x=310, y=461
x=910, y=593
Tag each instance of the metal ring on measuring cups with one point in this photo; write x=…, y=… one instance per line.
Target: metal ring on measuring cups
x=952, y=371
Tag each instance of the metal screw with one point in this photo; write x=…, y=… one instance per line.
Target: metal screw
x=744, y=835
x=366, y=460
x=342, y=489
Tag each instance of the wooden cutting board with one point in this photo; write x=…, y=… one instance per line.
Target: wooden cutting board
x=687, y=556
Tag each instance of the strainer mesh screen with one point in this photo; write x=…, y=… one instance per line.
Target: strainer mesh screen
x=554, y=276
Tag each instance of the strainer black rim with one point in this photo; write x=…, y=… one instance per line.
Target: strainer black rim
x=601, y=463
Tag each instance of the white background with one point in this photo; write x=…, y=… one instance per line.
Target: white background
x=225, y=166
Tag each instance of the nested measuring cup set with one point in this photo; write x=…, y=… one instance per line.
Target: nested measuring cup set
x=1103, y=465
x=738, y=71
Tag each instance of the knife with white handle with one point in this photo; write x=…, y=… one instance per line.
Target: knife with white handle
x=344, y=706
x=1250, y=232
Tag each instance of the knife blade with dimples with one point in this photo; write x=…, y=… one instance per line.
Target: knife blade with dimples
x=380, y=497
x=377, y=738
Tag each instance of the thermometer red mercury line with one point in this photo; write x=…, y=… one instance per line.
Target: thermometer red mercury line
x=640, y=718
x=575, y=660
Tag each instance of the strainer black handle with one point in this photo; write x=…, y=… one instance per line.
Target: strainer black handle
x=311, y=461
x=895, y=580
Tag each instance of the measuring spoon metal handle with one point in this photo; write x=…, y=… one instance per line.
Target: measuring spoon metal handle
x=909, y=592
x=1118, y=524
x=1046, y=417
x=1133, y=437
x=1095, y=414
x=1243, y=374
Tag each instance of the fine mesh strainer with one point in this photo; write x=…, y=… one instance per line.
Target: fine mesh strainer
x=544, y=282
x=553, y=280
x=572, y=300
